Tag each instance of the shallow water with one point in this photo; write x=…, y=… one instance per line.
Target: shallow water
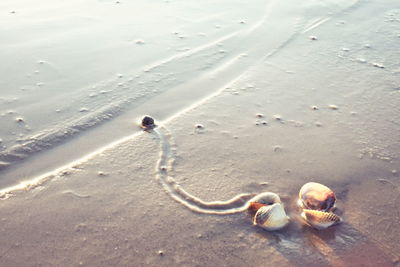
x=54, y=101
x=317, y=100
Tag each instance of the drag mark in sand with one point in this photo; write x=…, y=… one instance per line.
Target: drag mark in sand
x=269, y=211
x=164, y=165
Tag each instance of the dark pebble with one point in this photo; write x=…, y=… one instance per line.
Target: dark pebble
x=147, y=122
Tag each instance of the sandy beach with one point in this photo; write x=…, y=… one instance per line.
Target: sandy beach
x=247, y=98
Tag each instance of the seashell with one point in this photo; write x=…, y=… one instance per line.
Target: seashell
x=271, y=217
x=316, y=196
x=320, y=219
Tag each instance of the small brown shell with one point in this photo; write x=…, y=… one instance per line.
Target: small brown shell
x=316, y=196
x=271, y=217
x=320, y=219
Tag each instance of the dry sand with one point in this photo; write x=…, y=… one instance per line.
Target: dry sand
x=324, y=79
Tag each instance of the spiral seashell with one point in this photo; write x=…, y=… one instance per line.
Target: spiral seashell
x=271, y=217
x=320, y=219
x=315, y=196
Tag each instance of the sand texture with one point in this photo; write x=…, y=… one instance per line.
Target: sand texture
x=248, y=98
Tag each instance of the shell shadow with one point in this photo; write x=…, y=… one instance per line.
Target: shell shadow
x=339, y=245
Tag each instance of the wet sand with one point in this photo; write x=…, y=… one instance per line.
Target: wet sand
x=317, y=101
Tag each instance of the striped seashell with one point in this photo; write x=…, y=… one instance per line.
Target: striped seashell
x=320, y=219
x=271, y=217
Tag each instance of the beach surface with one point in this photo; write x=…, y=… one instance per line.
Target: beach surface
x=247, y=98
